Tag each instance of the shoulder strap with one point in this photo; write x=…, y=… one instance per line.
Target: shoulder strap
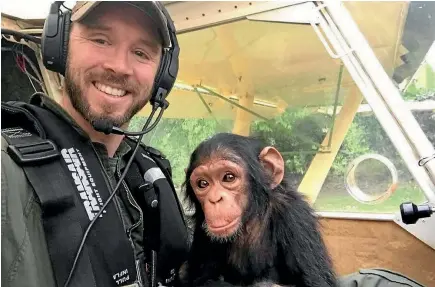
x=166, y=223
x=39, y=158
x=161, y=159
x=157, y=156
x=164, y=165
x=25, y=136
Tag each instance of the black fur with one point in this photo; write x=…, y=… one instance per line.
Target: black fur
x=287, y=247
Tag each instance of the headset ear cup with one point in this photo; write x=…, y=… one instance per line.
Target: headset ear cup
x=66, y=31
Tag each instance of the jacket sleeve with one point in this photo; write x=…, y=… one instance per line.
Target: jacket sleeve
x=24, y=255
x=377, y=278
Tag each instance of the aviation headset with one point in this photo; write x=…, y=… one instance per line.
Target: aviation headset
x=54, y=45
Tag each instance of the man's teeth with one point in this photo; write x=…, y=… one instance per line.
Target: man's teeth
x=110, y=90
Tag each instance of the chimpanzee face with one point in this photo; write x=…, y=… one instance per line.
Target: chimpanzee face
x=227, y=178
x=221, y=188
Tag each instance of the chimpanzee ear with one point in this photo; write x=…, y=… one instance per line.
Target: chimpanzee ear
x=273, y=162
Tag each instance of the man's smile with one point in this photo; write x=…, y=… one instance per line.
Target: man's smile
x=112, y=91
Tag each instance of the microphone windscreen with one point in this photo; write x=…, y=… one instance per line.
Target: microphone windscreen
x=103, y=126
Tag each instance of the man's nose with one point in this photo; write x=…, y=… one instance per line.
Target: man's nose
x=119, y=63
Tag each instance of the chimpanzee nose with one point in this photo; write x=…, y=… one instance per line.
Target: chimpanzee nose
x=215, y=195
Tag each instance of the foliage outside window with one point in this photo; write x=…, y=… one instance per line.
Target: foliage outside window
x=298, y=134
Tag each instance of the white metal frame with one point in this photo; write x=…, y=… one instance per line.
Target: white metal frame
x=389, y=93
x=387, y=104
x=388, y=98
x=356, y=216
x=364, y=81
x=422, y=229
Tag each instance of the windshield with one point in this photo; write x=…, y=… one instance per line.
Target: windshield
x=276, y=81
x=270, y=75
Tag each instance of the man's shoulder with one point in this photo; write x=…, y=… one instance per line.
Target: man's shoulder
x=22, y=229
x=5, y=145
x=155, y=154
x=9, y=167
x=15, y=186
x=154, y=151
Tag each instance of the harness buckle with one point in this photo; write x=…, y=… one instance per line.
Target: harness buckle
x=42, y=151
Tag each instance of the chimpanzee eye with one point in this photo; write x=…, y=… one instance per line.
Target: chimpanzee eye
x=202, y=183
x=229, y=177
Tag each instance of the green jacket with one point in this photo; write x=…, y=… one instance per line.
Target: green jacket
x=25, y=259
x=377, y=277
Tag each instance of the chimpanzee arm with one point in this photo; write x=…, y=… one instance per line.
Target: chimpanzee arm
x=302, y=245
x=203, y=263
x=193, y=278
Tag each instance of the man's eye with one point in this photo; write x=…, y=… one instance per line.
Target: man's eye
x=229, y=177
x=141, y=54
x=202, y=183
x=100, y=41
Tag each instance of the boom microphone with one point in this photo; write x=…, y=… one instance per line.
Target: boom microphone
x=106, y=127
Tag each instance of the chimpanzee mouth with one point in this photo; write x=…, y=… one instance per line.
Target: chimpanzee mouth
x=223, y=233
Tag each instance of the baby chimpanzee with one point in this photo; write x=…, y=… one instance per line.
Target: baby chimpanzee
x=250, y=226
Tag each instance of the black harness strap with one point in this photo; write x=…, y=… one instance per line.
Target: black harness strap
x=165, y=230
x=41, y=157
x=77, y=187
x=67, y=177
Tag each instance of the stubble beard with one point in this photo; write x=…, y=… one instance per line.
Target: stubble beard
x=74, y=88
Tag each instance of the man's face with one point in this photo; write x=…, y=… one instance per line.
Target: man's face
x=114, y=55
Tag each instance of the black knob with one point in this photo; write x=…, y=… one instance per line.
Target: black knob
x=411, y=213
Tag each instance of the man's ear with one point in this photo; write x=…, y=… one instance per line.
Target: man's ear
x=273, y=162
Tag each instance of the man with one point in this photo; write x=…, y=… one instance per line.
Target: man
x=51, y=195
